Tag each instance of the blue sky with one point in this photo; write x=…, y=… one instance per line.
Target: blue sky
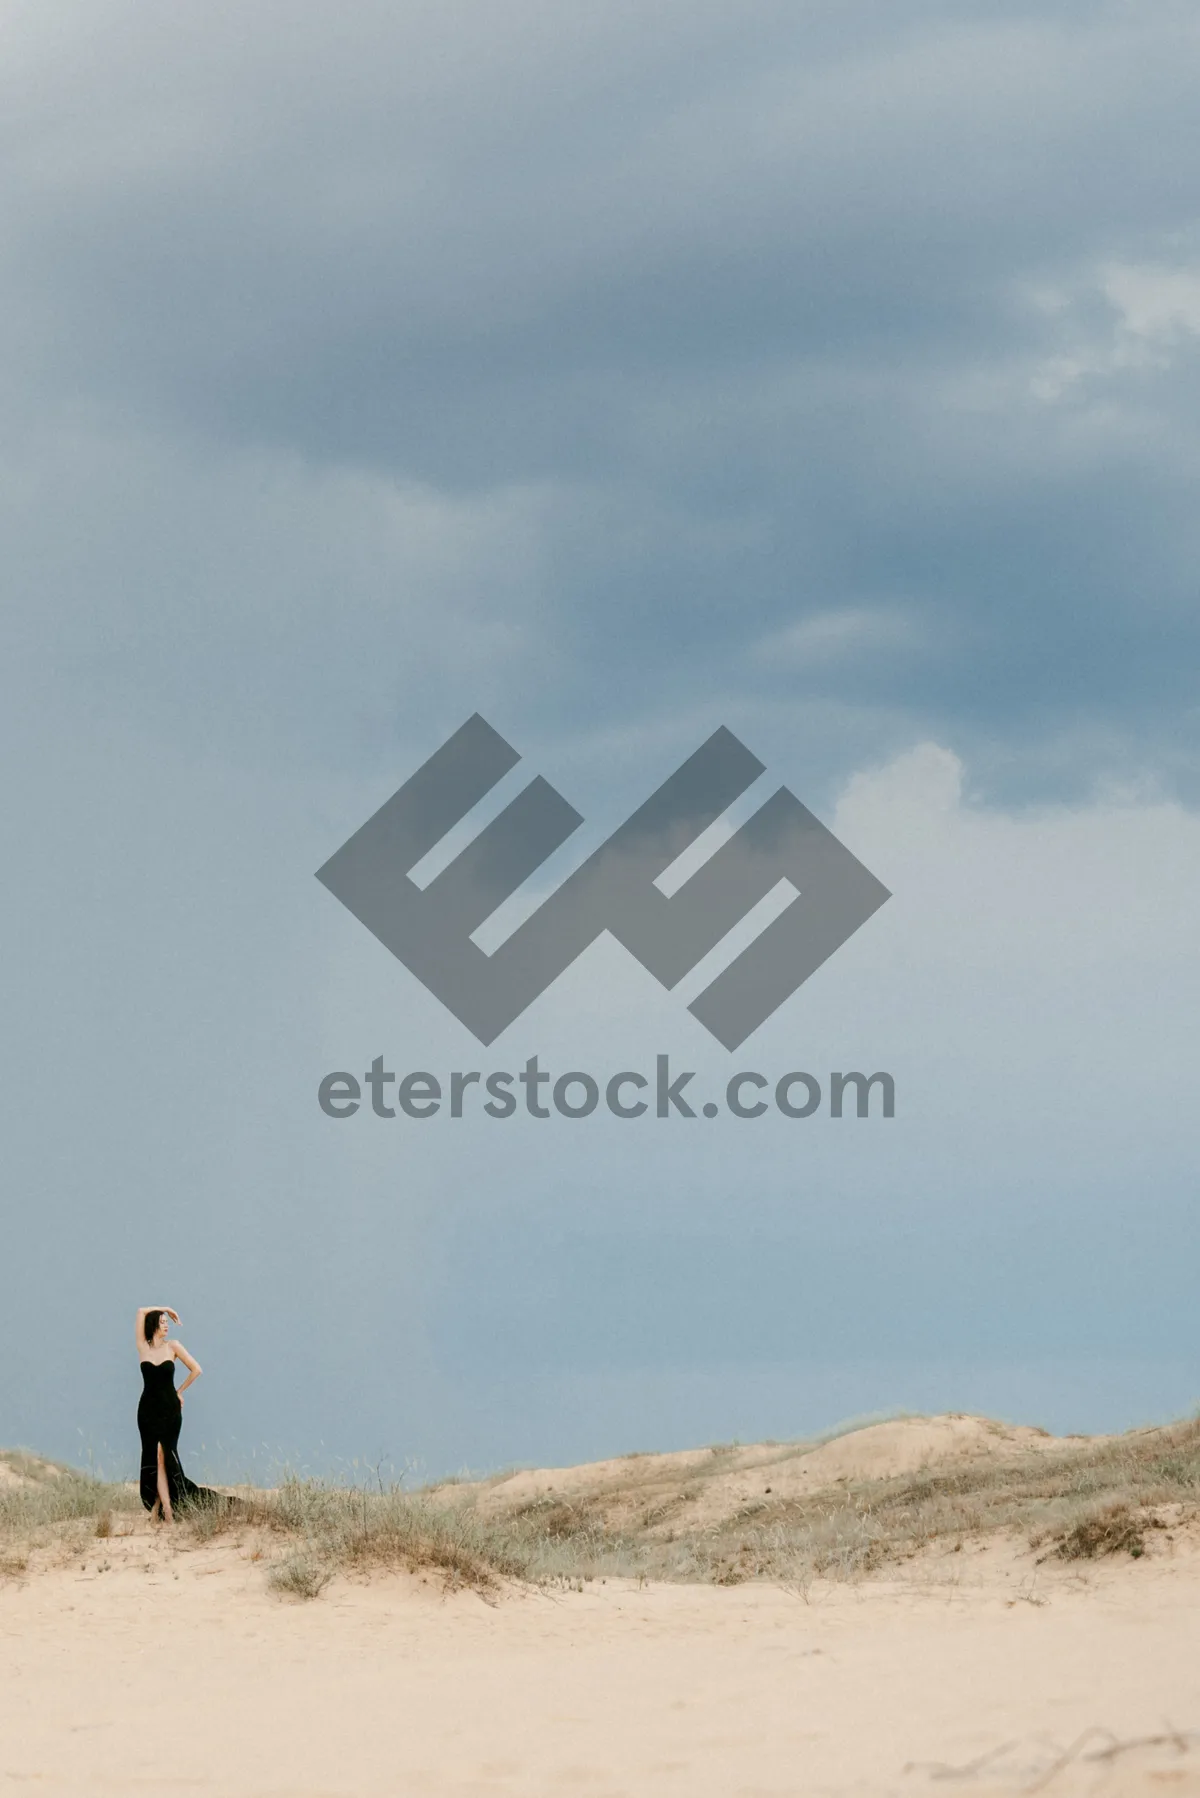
x=830, y=373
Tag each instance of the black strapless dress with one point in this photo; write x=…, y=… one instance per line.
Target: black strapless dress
x=160, y=1418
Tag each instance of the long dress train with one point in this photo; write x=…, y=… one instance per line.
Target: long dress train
x=160, y=1418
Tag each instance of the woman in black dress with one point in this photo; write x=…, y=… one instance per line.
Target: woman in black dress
x=160, y=1415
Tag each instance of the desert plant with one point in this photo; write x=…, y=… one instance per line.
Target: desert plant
x=1112, y=1529
x=299, y=1576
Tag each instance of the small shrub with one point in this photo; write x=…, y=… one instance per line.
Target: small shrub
x=299, y=1576
x=207, y=1521
x=104, y=1524
x=1109, y=1531
x=1174, y=1470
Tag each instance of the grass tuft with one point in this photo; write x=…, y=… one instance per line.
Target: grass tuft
x=1110, y=1530
x=299, y=1576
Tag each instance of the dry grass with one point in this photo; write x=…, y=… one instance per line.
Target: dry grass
x=1089, y=1498
x=46, y=1503
x=1111, y=1529
x=37, y=1495
x=1084, y=1499
x=339, y=1529
x=299, y=1576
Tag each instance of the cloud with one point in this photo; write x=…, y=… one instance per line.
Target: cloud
x=828, y=637
x=1129, y=321
x=1156, y=303
x=747, y=313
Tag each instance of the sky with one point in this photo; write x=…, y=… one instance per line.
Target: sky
x=827, y=372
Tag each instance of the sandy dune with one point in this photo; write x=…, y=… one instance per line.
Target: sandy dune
x=701, y=1486
x=154, y=1659
x=12, y=1476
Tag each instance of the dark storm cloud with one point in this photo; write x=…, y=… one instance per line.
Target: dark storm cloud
x=763, y=298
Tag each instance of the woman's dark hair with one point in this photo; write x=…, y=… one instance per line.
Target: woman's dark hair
x=150, y=1327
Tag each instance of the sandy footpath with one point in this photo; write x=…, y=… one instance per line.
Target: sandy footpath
x=155, y=1664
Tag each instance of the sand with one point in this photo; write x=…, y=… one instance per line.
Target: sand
x=159, y=1660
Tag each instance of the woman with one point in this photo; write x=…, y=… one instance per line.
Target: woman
x=160, y=1415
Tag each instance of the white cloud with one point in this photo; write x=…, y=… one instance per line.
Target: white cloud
x=1157, y=303
x=1153, y=310
x=836, y=636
